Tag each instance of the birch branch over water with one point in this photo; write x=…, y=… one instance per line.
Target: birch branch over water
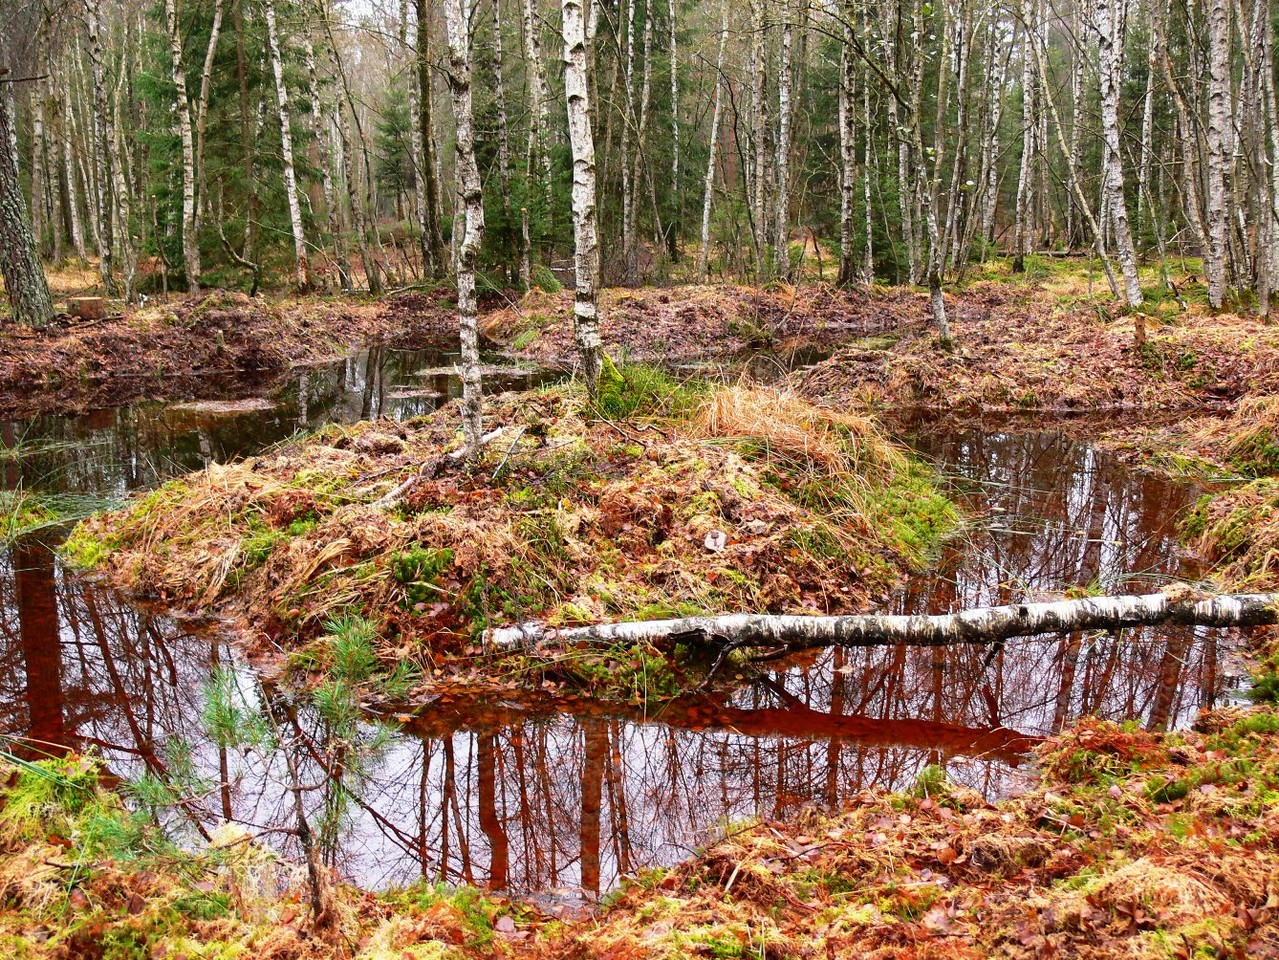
x=981, y=625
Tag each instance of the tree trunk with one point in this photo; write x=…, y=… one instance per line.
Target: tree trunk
x=202, y=120
x=848, y=154
x=673, y=235
x=434, y=238
x=286, y=151
x=190, y=240
x=503, y=135
x=24, y=281
x=980, y=625
x=457, y=16
x=1021, y=229
x=320, y=132
x=759, y=87
x=1112, y=166
x=104, y=142
x=630, y=251
x=784, y=112
x=585, y=239
x=708, y=195
x=1218, y=119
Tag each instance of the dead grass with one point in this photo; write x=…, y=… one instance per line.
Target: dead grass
x=569, y=519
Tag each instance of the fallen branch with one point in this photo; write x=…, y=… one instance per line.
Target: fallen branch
x=981, y=625
x=427, y=471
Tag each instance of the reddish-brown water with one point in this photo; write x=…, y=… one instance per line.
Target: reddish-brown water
x=527, y=796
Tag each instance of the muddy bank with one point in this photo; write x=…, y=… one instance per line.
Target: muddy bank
x=688, y=323
x=664, y=500
x=1024, y=350
x=198, y=347
x=1131, y=845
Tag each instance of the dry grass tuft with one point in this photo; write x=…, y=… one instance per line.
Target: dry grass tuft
x=788, y=427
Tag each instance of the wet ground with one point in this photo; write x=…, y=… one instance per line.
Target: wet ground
x=514, y=796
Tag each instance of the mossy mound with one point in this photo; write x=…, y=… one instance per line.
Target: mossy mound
x=1238, y=533
x=696, y=501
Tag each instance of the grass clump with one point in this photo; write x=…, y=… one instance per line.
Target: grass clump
x=655, y=499
x=1238, y=533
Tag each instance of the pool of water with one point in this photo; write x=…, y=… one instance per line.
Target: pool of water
x=526, y=796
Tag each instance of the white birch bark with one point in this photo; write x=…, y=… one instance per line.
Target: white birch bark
x=320, y=133
x=630, y=253
x=202, y=117
x=848, y=153
x=980, y=625
x=286, y=151
x=104, y=148
x=457, y=15
x=190, y=240
x=1112, y=168
x=678, y=204
x=708, y=194
x=784, y=109
x=503, y=134
x=1021, y=229
x=585, y=237
x=759, y=74
x=1218, y=121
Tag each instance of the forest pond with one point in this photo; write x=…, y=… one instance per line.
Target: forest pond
x=564, y=801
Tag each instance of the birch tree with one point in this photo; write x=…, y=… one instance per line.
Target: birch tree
x=585, y=239
x=286, y=151
x=457, y=16
x=1218, y=120
x=708, y=195
x=190, y=239
x=1109, y=42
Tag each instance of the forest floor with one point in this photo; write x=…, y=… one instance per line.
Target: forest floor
x=199, y=347
x=668, y=498
x=1132, y=845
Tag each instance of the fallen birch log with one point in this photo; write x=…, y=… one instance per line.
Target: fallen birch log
x=980, y=625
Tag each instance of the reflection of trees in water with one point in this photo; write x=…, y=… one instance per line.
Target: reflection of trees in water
x=527, y=802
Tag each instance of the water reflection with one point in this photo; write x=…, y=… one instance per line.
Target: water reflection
x=113, y=451
x=519, y=797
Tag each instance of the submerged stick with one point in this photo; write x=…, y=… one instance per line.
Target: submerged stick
x=980, y=625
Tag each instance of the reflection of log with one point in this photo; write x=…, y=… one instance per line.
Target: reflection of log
x=982, y=625
x=793, y=720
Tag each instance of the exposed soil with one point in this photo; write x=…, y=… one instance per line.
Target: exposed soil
x=198, y=347
x=688, y=323
x=1019, y=349
x=712, y=502
x=1132, y=845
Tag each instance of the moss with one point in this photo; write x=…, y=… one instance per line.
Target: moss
x=635, y=390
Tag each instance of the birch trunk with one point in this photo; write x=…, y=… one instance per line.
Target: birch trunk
x=40, y=218
x=433, y=238
x=630, y=253
x=980, y=625
x=585, y=238
x=104, y=142
x=1072, y=172
x=848, y=155
x=202, y=117
x=759, y=86
x=24, y=282
x=503, y=134
x=708, y=194
x=539, y=157
x=320, y=133
x=673, y=235
x=1112, y=168
x=457, y=16
x=784, y=108
x=286, y=151
x=190, y=240
x=1021, y=229
x=1218, y=121
x=69, y=172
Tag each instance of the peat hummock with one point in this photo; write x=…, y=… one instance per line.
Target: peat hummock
x=657, y=500
x=196, y=347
